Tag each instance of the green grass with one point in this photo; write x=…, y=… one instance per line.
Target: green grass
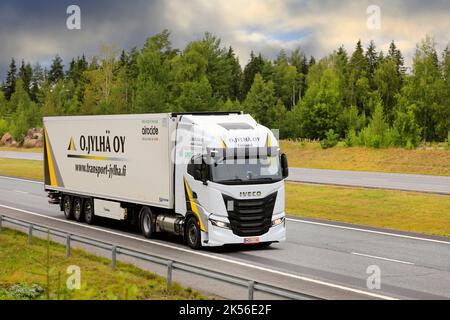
x=16, y=149
x=399, y=210
x=420, y=161
x=28, y=169
x=25, y=265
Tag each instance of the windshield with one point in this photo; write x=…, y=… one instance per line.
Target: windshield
x=264, y=170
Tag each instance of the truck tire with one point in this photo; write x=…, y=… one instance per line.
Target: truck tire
x=146, y=222
x=78, y=213
x=88, y=210
x=193, y=233
x=67, y=207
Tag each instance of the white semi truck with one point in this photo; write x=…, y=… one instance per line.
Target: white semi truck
x=212, y=178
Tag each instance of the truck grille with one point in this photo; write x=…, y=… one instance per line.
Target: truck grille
x=251, y=217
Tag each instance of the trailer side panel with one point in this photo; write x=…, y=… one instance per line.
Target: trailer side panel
x=120, y=157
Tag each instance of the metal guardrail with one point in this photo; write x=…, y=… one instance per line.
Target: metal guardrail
x=171, y=265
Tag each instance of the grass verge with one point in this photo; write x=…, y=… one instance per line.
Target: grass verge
x=399, y=210
x=419, y=161
x=23, y=274
x=28, y=169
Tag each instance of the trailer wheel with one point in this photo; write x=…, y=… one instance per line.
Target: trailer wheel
x=193, y=233
x=88, y=210
x=67, y=207
x=78, y=210
x=146, y=222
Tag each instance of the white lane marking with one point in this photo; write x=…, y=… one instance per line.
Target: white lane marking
x=20, y=191
x=381, y=258
x=369, y=231
x=331, y=285
x=21, y=180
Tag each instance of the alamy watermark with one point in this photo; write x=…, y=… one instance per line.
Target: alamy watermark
x=74, y=280
x=73, y=21
x=374, y=279
x=374, y=17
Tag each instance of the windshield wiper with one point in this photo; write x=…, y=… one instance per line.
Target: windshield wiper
x=232, y=180
x=262, y=179
x=250, y=181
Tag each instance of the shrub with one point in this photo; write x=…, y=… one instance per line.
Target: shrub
x=351, y=139
x=24, y=291
x=377, y=134
x=330, y=141
x=407, y=131
x=3, y=127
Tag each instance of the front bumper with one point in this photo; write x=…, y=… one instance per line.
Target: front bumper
x=220, y=236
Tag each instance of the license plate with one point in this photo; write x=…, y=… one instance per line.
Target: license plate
x=251, y=240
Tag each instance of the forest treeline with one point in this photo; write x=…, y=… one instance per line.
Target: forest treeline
x=366, y=98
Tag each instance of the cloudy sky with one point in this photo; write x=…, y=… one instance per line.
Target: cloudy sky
x=36, y=30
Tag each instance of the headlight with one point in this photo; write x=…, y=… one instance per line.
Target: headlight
x=277, y=221
x=220, y=224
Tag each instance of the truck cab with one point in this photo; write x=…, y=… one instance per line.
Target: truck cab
x=231, y=172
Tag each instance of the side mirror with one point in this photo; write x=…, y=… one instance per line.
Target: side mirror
x=197, y=173
x=284, y=166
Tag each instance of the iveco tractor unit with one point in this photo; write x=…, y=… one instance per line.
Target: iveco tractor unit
x=212, y=178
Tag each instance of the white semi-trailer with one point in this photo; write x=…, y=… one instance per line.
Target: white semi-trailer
x=212, y=178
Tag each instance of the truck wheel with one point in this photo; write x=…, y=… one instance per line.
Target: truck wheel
x=146, y=222
x=67, y=207
x=88, y=210
x=78, y=210
x=193, y=233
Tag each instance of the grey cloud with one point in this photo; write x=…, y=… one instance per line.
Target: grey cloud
x=36, y=30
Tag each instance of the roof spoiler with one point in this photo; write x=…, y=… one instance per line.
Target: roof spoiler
x=206, y=113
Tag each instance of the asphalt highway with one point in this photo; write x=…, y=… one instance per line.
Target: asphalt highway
x=323, y=259
x=406, y=182
x=21, y=155
x=379, y=180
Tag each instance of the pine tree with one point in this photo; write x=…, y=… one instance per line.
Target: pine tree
x=254, y=66
x=56, y=72
x=219, y=68
x=26, y=74
x=342, y=69
x=132, y=73
x=37, y=81
x=236, y=75
x=11, y=77
x=372, y=60
x=446, y=64
x=357, y=77
x=397, y=56
x=71, y=73
x=82, y=64
x=123, y=59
